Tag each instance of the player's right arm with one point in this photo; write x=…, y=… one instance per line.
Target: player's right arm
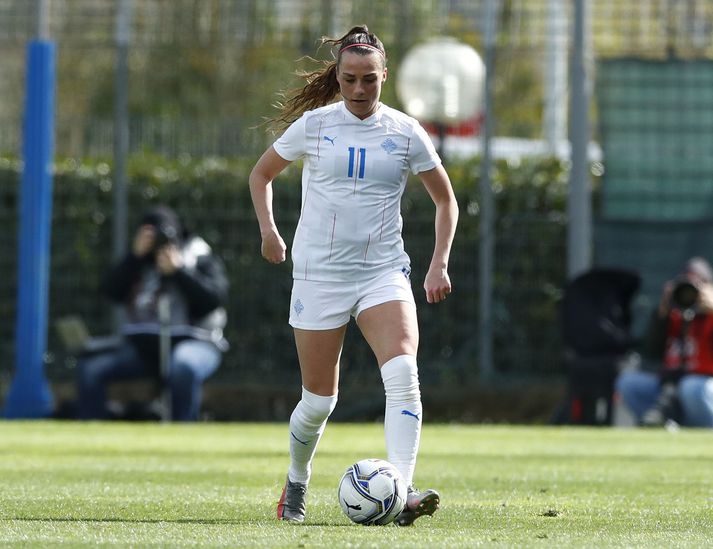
x=267, y=168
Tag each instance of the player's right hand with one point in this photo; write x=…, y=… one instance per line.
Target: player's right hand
x=273, y=248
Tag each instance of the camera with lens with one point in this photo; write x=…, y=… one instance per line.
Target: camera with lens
x=165, y=234
x=685, y=293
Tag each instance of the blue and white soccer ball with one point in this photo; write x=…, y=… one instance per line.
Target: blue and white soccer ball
x=372, y=491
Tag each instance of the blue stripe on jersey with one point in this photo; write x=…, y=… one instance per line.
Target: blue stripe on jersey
x=351, y=162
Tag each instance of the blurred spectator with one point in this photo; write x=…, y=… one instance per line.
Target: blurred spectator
x=172, y=289
x=680, y=338
x=596, y=326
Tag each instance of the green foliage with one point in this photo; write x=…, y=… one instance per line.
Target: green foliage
x=216, y=485
x=213, y=197
x=210, y=61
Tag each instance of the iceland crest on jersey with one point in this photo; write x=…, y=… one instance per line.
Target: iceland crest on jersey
x=388, y=145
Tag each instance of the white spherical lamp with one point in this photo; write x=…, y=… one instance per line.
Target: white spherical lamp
x=441, y=81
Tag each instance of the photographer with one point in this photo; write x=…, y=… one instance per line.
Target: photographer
x=172, y=289
x=680, y=337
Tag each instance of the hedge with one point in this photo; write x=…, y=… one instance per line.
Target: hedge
x=213, y=197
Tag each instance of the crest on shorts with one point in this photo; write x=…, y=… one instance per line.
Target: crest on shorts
x=298, y=307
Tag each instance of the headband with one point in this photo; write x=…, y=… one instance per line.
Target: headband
x=369, y=46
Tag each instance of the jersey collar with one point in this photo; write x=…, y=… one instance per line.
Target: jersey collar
x=373, y=119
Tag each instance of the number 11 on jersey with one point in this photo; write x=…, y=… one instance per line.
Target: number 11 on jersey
x=360, y=162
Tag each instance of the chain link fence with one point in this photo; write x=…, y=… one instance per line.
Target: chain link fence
x=203, y=75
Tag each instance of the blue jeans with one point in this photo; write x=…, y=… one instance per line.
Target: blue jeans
x=192, y=362
x=639, y=391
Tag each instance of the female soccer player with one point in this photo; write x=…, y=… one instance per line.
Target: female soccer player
x=348, y=254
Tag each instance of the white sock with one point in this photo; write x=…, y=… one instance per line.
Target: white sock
x=403, y=416
x=307, y=424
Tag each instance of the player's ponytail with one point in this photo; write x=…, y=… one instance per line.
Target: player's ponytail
x=322, y=86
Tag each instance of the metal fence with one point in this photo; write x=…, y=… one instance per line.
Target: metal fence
x=203, y=73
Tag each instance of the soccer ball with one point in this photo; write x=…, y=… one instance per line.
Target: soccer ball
x=372, y=491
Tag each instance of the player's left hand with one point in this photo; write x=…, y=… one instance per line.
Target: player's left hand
x=437, y=285
x=168, y=259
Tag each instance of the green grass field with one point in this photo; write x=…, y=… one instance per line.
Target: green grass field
x=216, y=485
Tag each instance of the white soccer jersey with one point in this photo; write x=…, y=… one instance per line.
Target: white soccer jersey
x=353, y=177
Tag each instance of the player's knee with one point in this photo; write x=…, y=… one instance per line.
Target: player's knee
x=315, y=408
x=400, y=376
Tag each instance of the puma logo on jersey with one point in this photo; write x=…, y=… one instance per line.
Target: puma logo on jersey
x=330, y=139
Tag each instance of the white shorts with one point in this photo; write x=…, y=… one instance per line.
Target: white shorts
x=327, y=305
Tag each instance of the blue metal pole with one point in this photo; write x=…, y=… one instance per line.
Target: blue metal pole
x=29, y=395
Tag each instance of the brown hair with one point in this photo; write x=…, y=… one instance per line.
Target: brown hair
x=322, y=86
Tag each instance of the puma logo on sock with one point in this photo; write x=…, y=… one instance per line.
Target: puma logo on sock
x=298, y=440
x=406, y=413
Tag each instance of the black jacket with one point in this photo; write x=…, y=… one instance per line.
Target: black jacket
x=196, y=294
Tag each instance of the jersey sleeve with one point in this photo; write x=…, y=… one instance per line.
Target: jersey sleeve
x=423, y=155
x=291, y=144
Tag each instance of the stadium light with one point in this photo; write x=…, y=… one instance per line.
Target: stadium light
x=441, y=81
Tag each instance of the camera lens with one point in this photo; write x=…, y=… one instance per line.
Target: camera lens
x=685, y=295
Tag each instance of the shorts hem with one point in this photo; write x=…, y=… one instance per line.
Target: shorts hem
x=316, y=327
x=377, y=303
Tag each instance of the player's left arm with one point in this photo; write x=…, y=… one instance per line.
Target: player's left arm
x=437, y=283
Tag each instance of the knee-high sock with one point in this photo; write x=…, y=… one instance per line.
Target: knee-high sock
x=307, y=424
x=403, y=416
